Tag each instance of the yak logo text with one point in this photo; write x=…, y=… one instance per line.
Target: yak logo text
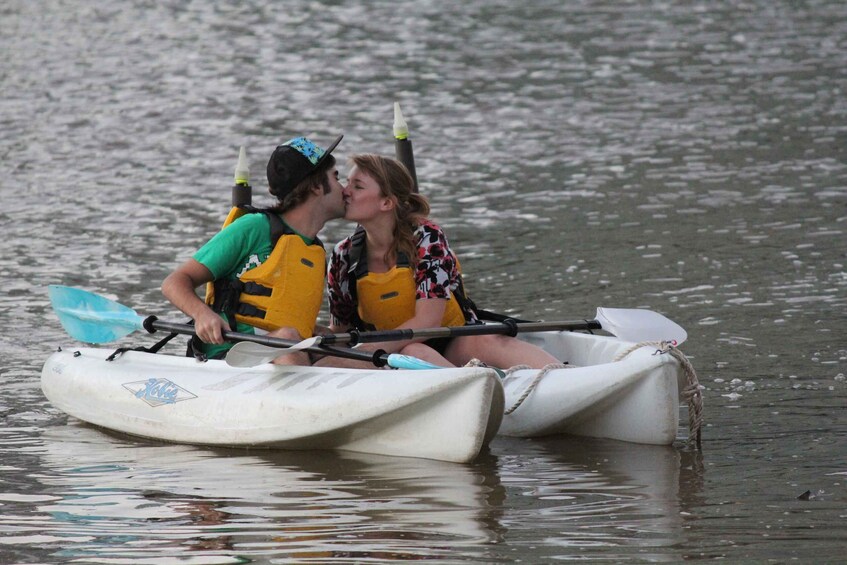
x=157, y=392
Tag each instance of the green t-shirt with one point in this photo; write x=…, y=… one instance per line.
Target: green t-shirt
x=239, y=247
x=243, y=245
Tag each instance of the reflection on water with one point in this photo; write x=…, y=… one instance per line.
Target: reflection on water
x=595, y=497
x=289, y=504
x=103, y=497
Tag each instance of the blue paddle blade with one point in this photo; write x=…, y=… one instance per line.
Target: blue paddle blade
x=398, y=361
x=92, y=318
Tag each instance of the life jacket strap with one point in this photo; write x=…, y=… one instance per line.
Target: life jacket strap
x=354, y=272
x=257, y=289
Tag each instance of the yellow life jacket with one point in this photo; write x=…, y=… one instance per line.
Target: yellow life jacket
x=286, y=290
x=386, y=300
x=242, y=197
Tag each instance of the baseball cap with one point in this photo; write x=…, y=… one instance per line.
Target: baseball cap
x=293, y=161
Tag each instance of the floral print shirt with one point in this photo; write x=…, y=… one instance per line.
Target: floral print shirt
x=436, y=275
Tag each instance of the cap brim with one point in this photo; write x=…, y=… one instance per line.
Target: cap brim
x=330, y=149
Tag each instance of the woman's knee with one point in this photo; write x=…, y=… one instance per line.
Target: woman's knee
x=425, y=353
x=477, y=344
x=286, y=333
x=416, y=350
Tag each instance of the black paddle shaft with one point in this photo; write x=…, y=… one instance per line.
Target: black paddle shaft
x=511, y=328
x=378, y=357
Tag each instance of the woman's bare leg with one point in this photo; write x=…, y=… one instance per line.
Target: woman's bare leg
x=498, y=351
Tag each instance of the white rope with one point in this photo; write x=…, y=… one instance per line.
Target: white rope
x=511, y=370
x=541, y=374
x=691, y=392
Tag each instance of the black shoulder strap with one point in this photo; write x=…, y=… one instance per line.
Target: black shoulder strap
x=278, y=227
x=356, y=269
x=359, y=268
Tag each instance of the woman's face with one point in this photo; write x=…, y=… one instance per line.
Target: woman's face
x=363, y=197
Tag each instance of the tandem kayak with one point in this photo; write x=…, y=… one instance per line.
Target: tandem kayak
x=605, y=388
x=443, y=414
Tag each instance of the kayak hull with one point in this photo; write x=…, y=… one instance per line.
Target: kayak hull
x=635, y=399
x=445, y=414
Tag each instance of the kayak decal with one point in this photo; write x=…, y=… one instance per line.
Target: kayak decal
x=157, y=392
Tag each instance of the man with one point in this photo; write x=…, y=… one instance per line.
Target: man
x=268, y=267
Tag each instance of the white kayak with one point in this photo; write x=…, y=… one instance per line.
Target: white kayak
x=444, y=414
x=609, y=387
x=634, y=399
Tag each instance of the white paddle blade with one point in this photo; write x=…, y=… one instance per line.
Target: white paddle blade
x=305, y=344
x=248, y=354
x=640, y=325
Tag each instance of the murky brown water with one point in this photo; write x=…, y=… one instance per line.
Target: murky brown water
x=685, y=158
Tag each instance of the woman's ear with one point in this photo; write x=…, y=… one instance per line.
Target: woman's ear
x=387, y=203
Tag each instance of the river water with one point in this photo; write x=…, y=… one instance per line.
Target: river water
x=690, y=158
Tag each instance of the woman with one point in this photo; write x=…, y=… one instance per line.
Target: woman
x=397, y=271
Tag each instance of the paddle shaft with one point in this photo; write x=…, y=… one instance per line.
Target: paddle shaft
x=354, y=337
x=378, y=358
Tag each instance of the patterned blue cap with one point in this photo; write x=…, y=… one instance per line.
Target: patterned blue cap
x=307, y=148
x=293, y=161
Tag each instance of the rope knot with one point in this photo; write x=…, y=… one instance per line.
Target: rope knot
x=664, y=347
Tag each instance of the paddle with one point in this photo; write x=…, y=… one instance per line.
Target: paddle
x=627, y=324
x=635, y=325
x=92, y=318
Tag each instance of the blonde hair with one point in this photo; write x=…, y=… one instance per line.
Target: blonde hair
x=410, y=208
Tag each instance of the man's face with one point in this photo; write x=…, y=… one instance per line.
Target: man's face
x=334, y=199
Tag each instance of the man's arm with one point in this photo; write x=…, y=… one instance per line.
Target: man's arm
x=178, y=287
